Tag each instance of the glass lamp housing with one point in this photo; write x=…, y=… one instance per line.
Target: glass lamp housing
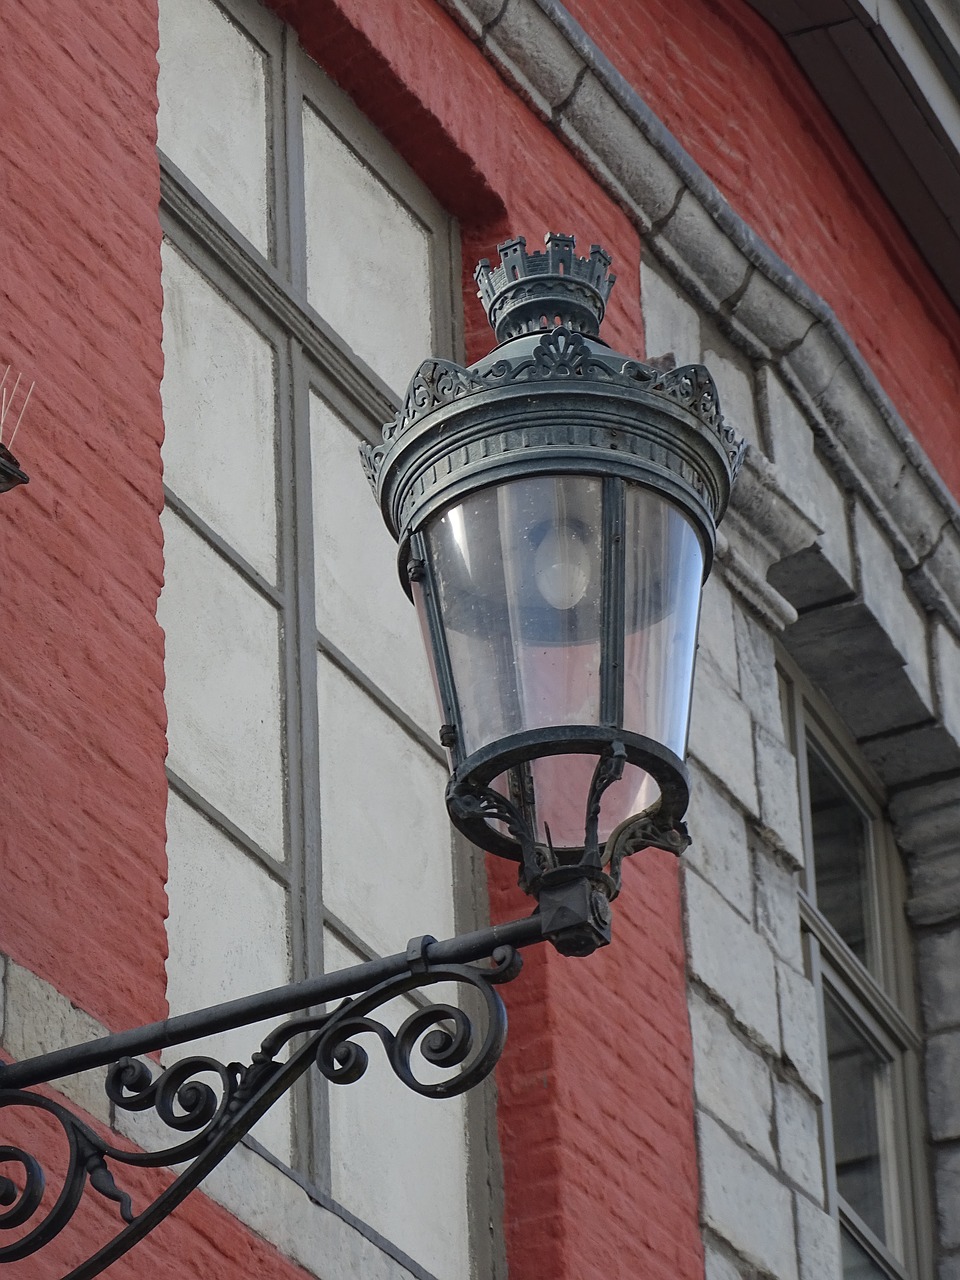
x=555, y=506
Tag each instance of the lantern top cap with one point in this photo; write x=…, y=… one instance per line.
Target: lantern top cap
x=528, y=292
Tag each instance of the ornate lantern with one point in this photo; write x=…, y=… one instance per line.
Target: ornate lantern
x=555, y=506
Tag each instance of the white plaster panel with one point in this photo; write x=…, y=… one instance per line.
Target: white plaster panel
x=387, y=868
x=219, y=413
x=223, y=686
x=361, y=606
x=881, y=582
x=212, y=121
x=398, y=1160
x=368, y=258
x=806, y=479
x=228, y=937
x=734, y=378
x=670, y=323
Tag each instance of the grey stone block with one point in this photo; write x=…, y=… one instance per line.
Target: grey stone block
x=708, y=252
x=746, y=1204
x=798, y=1138
x=881, y=583
x=927, y=819
x=39, y=1020
x=946, y=656
x=778, y=321
x=949, y=1268
x=720, y=850
x=720, y=735
x=731, y=1078
x=720, y=1267
x=947, y=1178
x=913, y=755
x=778, y=911
x=943, y=1085
x=800, y=1027
x=614, y=139
x=818, y=1242
x=756, y=665
x=778, y=787
x=732, y=961
x=671, y=325
x=734, y=378
x=717, y=635
x=540, y=54
x=843, y=649
x=938, y=966
x=860, y=428
x=815, y=360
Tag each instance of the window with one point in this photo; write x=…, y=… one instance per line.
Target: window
x=858, y=955
x=306, y=273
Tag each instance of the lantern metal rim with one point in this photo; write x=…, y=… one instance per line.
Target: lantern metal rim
x=473, y=776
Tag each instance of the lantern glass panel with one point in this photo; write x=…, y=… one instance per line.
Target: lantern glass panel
x=517, y=571
x=664, y=575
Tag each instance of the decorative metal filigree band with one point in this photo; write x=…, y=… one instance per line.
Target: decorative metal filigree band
x=559, y=356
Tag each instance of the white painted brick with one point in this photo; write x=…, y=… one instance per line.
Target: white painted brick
x=818, y=1242
x=808, y=481
x=779, y=794
x=734, y=378
x=670, y=323
x=720, y=734
x=946, y=652
x=798, y=1138
x=881, y=582
x=800, y=1027
x=746, y=1203
x=732, y=961
x=731, y=1079
x=778, y=913
x=719, y=850
x=39, y=1020
x=717, y=636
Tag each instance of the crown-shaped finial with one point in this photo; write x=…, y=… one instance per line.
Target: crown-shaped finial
x=528, y=292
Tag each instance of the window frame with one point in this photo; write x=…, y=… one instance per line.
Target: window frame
x=270, y=292
x=881, y=1004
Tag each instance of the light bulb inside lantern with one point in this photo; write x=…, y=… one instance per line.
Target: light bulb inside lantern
x=562, y=566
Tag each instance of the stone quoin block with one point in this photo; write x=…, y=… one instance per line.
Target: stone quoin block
x=717, y=635
x=818, y=1242
x=719, y=851
x=779, y=796
x=720, y=735
x=733, y=375
x=756, y=663
x=671, y=325
x=719, y=1267
x=778, y=916
x=943, y=1097
x=946, y=655
x=731, y=1079
x=798, y=1138
x=732, y=961
x=746, y=1203
x=39, y=1020
x=938, y=964
x=800, y=1027
x=947, y=1177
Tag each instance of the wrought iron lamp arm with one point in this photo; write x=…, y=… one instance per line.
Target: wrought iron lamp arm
x=211, y=1119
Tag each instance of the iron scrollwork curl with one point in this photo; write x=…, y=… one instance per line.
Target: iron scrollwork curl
x=217, y=1104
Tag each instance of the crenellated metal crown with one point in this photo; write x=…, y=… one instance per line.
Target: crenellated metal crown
x=528, y=292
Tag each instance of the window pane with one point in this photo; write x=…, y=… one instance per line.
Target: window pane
x=857, y=1263
x=858, y=1079
x=840, y=857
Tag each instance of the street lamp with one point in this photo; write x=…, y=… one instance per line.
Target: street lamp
x=555, y=506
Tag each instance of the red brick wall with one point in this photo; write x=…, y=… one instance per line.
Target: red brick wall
x=81, y=677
